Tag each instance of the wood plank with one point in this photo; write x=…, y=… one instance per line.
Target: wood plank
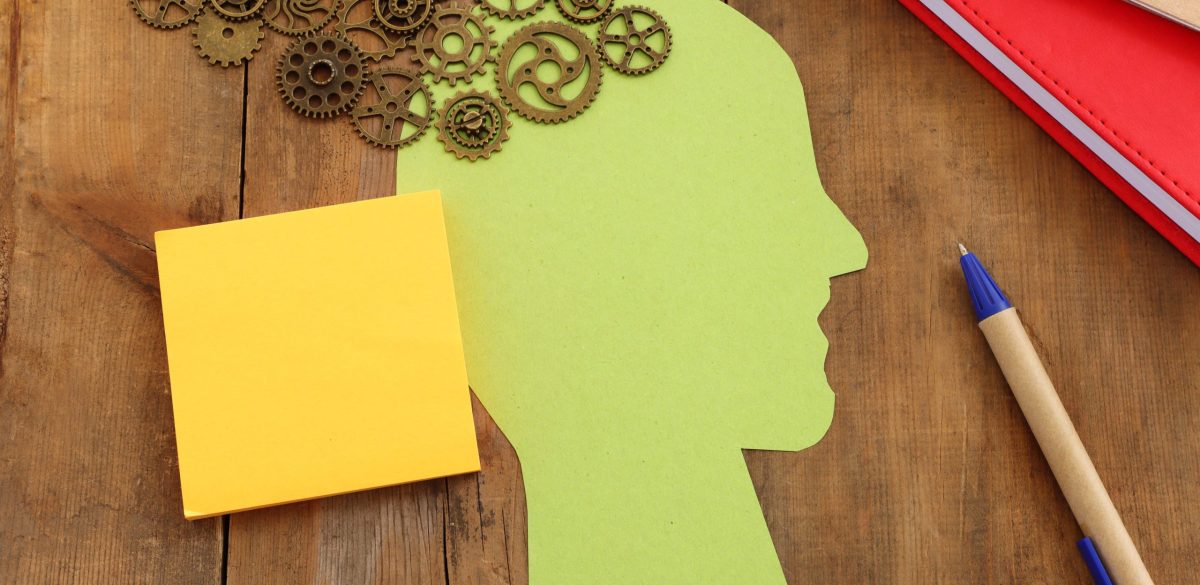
x=112, y=130
x=929, y=474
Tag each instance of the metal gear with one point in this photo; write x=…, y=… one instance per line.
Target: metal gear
x=455, y=46
x=321, y=76
x=473, y=125
x=548, y=39
x=395, y=110
x=298, y=17
x=167, y=14
x=516, y=9
x=224, y=42
x=584, y=11
x=356, y=21
x=403, y=16
x=238, y=9
x=630, y=31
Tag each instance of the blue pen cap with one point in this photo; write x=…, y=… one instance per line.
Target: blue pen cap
x=1092, y=559
x=986, y=295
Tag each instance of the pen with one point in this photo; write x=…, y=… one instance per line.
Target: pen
x=1048, y=419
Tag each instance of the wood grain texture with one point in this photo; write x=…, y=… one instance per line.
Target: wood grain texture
x=88, y=475
x=111, y=130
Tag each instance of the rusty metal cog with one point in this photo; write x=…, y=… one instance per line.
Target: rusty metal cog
x=403, y=16
x=584, y=11
x=456, y=45
x=298, y=17
x=357, y=22
x=224, y=42
x=395, y=110
x=634, y=40
x=167, y=14
x=576, y=82
x=237, y=9
x=321, y=76
x=473, y=125
x=512, y=9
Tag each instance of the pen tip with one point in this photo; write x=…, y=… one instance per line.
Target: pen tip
x=963, y=249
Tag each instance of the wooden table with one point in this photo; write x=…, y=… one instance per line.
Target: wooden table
x=111, y=130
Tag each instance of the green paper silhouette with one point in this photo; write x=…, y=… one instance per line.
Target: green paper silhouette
x=639, y=291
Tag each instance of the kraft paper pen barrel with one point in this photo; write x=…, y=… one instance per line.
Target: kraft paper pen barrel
x=1051, y=425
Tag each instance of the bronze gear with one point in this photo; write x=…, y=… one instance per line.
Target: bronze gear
x=458, y=64
x=555, y=108
x=237, y=9
x=403, y=16
x=356, y=21
x=167, y=14
x=298, y=17
x=321, y=75
x=633, y=40
x=224, y=42
x=584, y=11
x=395, y=110
x=514, y=10
x=473, y=125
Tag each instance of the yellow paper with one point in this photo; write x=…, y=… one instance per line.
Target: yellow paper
x=314, y=353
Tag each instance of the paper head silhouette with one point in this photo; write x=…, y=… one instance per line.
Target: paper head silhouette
x=639, y=291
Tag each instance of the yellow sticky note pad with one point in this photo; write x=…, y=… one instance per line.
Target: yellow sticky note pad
x=314, y=353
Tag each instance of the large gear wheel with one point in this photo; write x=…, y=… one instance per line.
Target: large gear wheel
x=405, y=17
x=584, y=11
x=357, y=22
x=634, y=40
x=298, y=17
x=321, y=76
x=473, y=125
x=224, y=42
x=512, y=9
x=238, y=9
x=562, y=98
x=395, y=110
x=455, y=46
x=167, y=14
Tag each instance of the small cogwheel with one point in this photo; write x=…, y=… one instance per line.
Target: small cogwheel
x=634, y=40
x=584, y=11
x=238, y=9
x=167, y=14
x=298, y=17
x=356, y=21
x=512, y=9
x=473, y=125
x=225, y=42
x=564, y=90
x=455, y=46
x=403, y=16
x=395, y=109
x=321, y=76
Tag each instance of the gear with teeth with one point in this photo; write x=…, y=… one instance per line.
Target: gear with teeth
x=356, y=21
x=224, y=42
x=584, y=11
x=395, y=109
x=167, y=14
x=405, y=17
x=298, y=17
x=238, y=9
x=321, y=76
x=634, y=40
x=455, y=46
x=554, y=104
x=512, y=9
x=473, y=125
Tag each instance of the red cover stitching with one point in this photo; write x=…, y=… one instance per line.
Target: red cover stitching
x=1080, y=103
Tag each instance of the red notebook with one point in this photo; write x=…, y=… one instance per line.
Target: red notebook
x=1117, y=86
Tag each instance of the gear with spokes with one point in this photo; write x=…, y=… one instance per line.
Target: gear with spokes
x=167, y=14
x=405, y=17
x=455, y=46
x=584, y=11
x=395, y=109
x=563, y=90
x=224, y=42
x=634, y=40
x=473, y=125
x=321, y=76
